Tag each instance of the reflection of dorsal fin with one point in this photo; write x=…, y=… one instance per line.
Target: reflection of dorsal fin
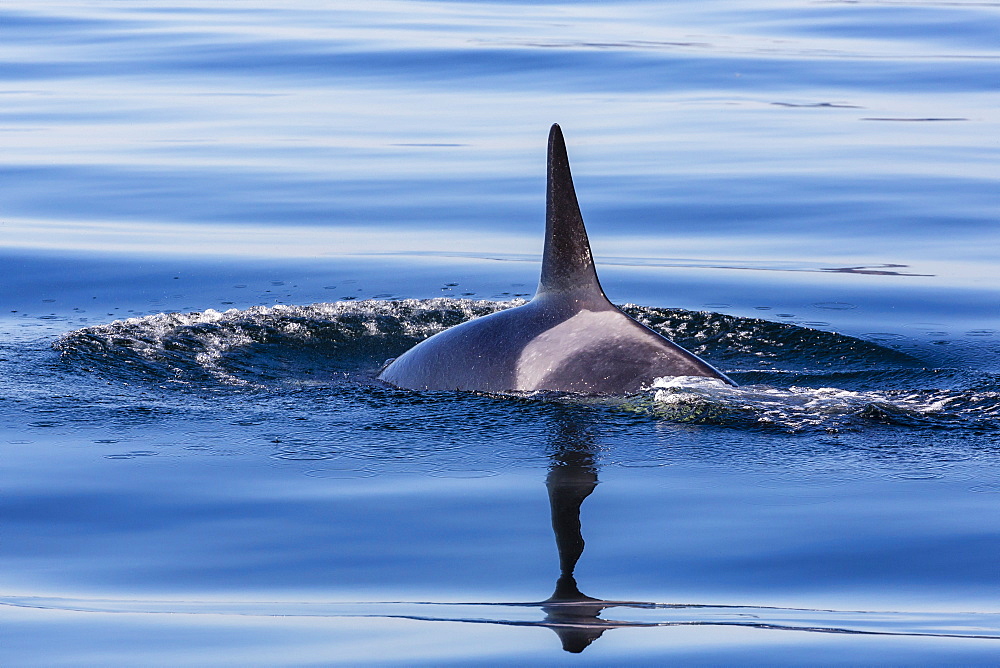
x=567, y=264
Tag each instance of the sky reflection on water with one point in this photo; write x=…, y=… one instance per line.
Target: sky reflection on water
x=828, y=165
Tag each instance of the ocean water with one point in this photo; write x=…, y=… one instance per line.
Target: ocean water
x=218, y=219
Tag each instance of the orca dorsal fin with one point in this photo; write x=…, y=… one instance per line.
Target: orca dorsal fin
x=567, y=263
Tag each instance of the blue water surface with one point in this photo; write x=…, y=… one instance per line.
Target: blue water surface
x=218, y=220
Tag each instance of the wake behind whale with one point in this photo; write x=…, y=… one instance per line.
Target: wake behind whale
x=793, y=378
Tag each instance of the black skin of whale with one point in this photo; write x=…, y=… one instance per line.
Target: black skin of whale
x=568, y=338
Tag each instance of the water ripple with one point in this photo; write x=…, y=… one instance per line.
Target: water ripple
x=794, y=378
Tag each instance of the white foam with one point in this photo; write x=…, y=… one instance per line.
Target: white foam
x=791, y=407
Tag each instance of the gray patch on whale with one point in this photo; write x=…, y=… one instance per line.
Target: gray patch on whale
x=568, y=338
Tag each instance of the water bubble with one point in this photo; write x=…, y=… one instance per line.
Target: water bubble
x=884, y=336
x=132, y=455
x=642, y=463
x=918, y=475
x=835, y=306
x=340, y=474
x=304, y=455
x=463, y=474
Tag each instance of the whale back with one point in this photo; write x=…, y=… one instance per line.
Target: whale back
x=568, y=338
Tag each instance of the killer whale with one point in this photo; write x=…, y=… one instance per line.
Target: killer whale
x=568, y=338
